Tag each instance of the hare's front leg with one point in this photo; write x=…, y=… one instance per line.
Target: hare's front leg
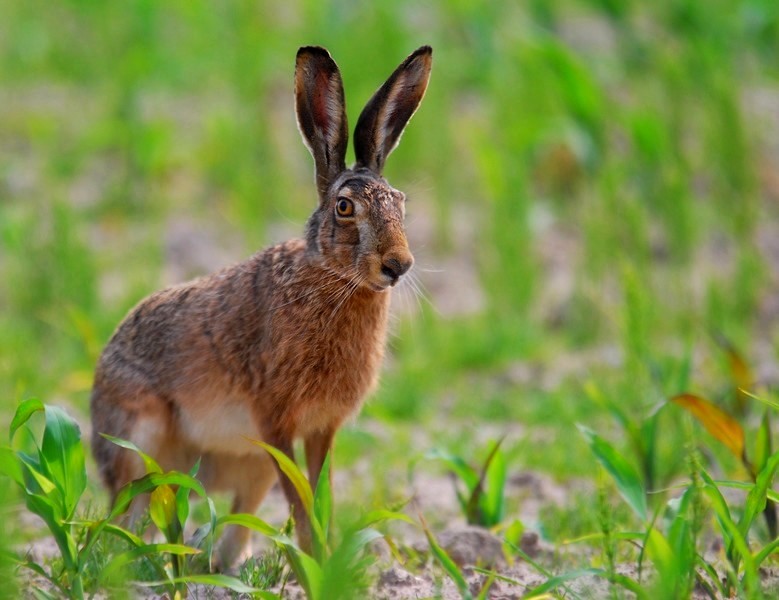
x=317, y=446
x=249, y=478
x=298, y=511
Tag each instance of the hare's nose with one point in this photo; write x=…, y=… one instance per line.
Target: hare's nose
x=395, y=264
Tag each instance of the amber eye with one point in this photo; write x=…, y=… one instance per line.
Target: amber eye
x=344, y=207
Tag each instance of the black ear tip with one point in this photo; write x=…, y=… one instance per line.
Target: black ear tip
x=421, y=56
x=313, y=51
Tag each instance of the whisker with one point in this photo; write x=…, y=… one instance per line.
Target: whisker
x=351, y=289
x=422, y=293
x=322, y=288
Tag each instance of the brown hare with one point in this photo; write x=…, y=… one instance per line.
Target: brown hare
x=284, y=345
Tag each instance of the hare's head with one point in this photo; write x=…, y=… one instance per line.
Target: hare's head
x=357, y=229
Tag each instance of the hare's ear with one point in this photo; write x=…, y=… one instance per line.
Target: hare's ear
x=382, y=120
x=321, y=113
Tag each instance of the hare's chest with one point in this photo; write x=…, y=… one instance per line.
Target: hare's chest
x=325, y=380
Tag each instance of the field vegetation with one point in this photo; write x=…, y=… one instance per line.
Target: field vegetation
x=583, y=372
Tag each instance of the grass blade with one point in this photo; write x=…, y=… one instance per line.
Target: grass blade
x=125, y=558
x=223, y=581
x=625, y=476
x=495, y=495
x=478, y=509
x=374, y=517
x=446, y=562
x=341, y=573
x=457, y=465
x=151, y=465
x=757, y=497
x=250, y=522
x=323, y=509
x=307, y=570
x=293, y=473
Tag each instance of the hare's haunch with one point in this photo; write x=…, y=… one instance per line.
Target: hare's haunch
x=284, y=345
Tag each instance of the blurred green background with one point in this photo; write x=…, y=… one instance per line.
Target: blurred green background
x=594, y=190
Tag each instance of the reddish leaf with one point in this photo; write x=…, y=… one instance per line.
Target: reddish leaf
x=718, y=423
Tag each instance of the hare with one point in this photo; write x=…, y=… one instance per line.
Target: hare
x=284, y=345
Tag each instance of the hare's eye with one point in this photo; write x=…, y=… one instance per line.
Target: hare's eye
x=344, y=207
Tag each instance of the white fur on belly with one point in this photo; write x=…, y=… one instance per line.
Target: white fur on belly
x=222, y=427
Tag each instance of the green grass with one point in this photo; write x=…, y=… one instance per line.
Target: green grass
x=599, y=155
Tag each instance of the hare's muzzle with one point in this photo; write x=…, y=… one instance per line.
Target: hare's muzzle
x=396, y=263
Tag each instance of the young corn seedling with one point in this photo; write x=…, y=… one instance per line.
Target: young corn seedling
x=641, y=432
x=672, y=552
x=328, y=572
x=483, y=498
x=169, y=511
x=450, y=568
x=726, y=428
x=52, y=481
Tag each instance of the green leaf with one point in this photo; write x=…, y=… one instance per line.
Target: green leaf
x=485, y=589
x=47, y=510
x=23, y=413
x=35, y=481
x=555, y=582
x=659, y=551
x=151, y=465
x=124, y=534
x=211, y=531
x=721, y=509
x=595, y=395
x=323, y=508
x=374, y=517
x=42, y=594
x=513, y=533
x=766, y=401
x=766, y=551
x=756, y=499
x=493, y=502
x=294, y=474
x=10, y=466
x=223, y=581
x=307, y=571
x=62, y=456
x=343, y=569
x=680, y=536
x=762, y=444
x=447, y=563
x=481, y=505
x=736, y=543
x=457, y=465
x=182, y=498
x=249, y=521
x=743, y=485
x=38, y=570
x=322, y=512
x=122, y=560
x=162, y=510
x=149, y=482
x=625, y=476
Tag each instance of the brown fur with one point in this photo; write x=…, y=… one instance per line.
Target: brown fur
x=284, y=345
